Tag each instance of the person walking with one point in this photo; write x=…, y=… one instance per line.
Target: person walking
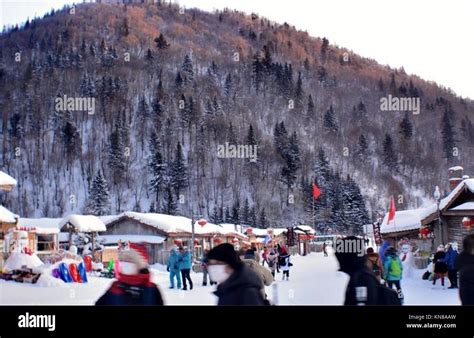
x=451, y=257
x=374, y=263
x=285, y=264
x=185, y=267
x=465, y=266
x=238, y=284
x=265, y=256
x=133, y=285
x=393, y=270
x=272, y=261
x=173, y=268
x=440, y=266
x=325, y=250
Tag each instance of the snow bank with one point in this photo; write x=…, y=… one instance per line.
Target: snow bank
x=17, y=260
x=42, y=225
x=6, y=179
x=84, y=223
x=47, y=280
x=6, y=216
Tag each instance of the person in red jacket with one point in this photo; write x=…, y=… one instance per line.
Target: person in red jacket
x=133, y=286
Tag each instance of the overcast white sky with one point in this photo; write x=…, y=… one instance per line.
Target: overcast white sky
x=430, y=38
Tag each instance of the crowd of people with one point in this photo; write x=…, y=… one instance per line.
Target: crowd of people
x=241, y=278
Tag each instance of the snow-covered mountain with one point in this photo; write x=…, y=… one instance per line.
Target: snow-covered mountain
x=107, y=108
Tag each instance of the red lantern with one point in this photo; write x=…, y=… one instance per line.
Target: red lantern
x=196, y=242
x=202, y=222
x=467, y=222
x=178, y=242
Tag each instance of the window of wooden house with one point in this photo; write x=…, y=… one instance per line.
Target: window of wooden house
x=45, y=242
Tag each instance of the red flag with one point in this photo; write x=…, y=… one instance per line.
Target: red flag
x=316, y=191
x=391, y=210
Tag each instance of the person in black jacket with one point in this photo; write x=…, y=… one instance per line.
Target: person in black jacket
x=465, y=266
x=238, y=284
x=440, y=266
x=362, y=286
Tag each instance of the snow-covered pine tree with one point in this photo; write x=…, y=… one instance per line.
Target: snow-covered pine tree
x=329, y=120
x=157, y=166
x=449, y=142
x=253, y=217
x=299, y=94
x=187, y=69
x=116, y=153
x=98, y=202
x=245, y=213
x=179, y=171
x=310, y=108
x=169, y=206
x=389, y=155
x=406, y=127
x=262, y=219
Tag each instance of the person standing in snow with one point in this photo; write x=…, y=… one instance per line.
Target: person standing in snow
x=451, y=257
x=238, y=284
x=383, y=248
x=440, y=266
x=173, y=268
x=264, y=256
x=272, y=261
x=205, y=273
x=325, y=250
x=362, y=286
x=133, y=286
x=393, y=269
x=185, y=267
x=248, y=258
x=284, y=262
x=374, y=263
x=465, y=266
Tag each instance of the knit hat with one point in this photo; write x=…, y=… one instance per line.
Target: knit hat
x=225, y=253
x=137, y=254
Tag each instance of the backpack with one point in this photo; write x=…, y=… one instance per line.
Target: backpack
x=282, y=260
x=395, y=268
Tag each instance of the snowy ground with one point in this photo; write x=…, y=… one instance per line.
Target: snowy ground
x=314, y=280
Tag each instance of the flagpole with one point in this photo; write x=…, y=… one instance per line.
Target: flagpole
x=314, y=215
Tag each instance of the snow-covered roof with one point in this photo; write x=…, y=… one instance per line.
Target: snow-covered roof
x=464, y=206
x=41, y=225
x=229, y=230
x=83, y=223
x=6, y=179
x=465, y=184
x=306, y=228
x=458, y=167
x=407, y=219
x=6, y=216
x=109, y=239
x=279, y=231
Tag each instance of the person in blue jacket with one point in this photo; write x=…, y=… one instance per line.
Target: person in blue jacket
x=451, y=257
x=383, y=248
x=185, y=267
x=173, y=268
x=393, y=268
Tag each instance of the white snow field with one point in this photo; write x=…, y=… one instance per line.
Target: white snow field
x=314, y=280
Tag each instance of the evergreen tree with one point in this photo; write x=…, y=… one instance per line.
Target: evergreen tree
x=267, y=60
x=245, y=216
x=178, y=82
x=299, y=94
x=253, y=217
x=449, y=143
x=98, y=202
x=157, y=166
x=292, y=162
x=310, y=108
x=251, y=139
x=330, y=120
x=389, y=155
x=116, y=153
x=362, y=148
x=235, y=216
x=257, y=72
x=161, y=42
x=280, y=139
x=262, y=219
x=187, y=69
x=179, y=171
x=213, y=75
x=227, y=217
x=406, y=128
x=216, y=216
x=71, y=140
x=169, y=207
x=228, y=85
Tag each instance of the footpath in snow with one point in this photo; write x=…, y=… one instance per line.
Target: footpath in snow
x=314, y=280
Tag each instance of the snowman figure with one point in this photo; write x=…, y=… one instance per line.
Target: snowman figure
x=406, y=256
